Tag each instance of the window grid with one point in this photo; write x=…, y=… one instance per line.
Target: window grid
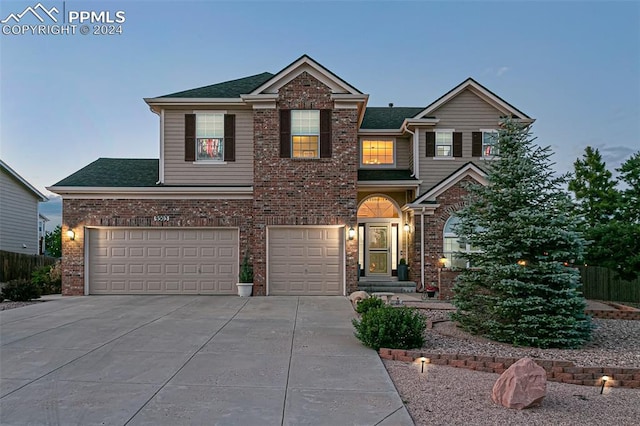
x=444, y=144
x=377, y=152
x=305, y=133
x=489, y=141
x=209, y=137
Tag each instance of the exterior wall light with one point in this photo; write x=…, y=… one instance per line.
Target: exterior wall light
x=406, y=227
x=351, y=234
x=71, y=234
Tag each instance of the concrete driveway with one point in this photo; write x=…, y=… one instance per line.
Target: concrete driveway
x=189, y=360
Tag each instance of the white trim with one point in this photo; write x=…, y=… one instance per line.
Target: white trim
x=193, y=101
x=379, y=132
x=447, y=158
x=85, y=250
x=378, y=139
x=483, y=93
x=20, y=179
x=416, y=153
x=160, y=192
x=209, y=162
x=209, y=111
x=469, y=170
x=161, y=159
x=379, y=184
x=305, y=63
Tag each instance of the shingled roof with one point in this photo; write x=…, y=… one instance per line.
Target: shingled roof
x=387, y=117
x=227, y=89
x=115, y=172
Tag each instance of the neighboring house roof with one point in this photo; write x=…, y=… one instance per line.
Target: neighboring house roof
x=468, y=169
x=115, y=172
x=37, y=194
x=43, y=217
x=226, y=89
x=484, y=93
x=384, y=174
x=387, y=117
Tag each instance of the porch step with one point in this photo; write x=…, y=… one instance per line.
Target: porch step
x=387, y=286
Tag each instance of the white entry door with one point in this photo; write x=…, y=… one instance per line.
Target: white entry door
x=378, y=250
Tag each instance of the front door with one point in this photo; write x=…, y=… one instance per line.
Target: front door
x=378, y=255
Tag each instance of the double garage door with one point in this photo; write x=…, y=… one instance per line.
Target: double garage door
x=301, y=260
x=163, y=261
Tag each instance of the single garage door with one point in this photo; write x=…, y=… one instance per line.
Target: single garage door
x=162, y=261
x=305, y=261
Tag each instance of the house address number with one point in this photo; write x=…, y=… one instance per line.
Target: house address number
x=161, y=218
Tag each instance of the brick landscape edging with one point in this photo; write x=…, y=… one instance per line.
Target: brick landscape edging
x=620, y=314
x=557, y=371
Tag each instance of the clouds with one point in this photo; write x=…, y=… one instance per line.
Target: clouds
x=614, y=156
x=497, y=72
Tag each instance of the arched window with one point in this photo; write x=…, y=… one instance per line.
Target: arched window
x=453, y=245
x=378, y=207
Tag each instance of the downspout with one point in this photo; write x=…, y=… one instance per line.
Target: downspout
x=161, y=160
x=422, y=248
x=415, y=173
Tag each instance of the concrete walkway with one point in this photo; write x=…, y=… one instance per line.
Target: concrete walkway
x=189, y=360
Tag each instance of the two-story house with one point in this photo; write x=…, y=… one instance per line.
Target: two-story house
x=20, y=223
x=292, y=168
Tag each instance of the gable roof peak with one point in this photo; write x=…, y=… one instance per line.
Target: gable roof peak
x=482, y=92
x=311, y=66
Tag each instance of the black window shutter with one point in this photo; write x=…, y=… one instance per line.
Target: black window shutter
x=476, y=144
x=285, y=133
x=189, y=137
x=325, y=133
x=229, y=137
x=431, y=144
x=457, y=144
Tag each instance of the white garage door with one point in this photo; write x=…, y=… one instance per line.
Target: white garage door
x=305, y=261
x=162, y=261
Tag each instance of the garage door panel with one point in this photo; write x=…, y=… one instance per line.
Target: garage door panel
x=163, y=261
x=305, y=260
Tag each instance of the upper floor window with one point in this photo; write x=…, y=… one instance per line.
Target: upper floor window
x=209, y=137
x=489, y=143
x=444, y=144
x=378, y=153
x=305, y=133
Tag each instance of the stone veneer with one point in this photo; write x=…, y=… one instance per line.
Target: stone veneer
x=304, y=191
x=139, y=213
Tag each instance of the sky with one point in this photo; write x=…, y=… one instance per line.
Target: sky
x=66, y=100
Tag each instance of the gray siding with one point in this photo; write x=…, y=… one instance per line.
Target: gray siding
x=404, y=154
x=18, y=217
x=465, y=113
x=180, y=172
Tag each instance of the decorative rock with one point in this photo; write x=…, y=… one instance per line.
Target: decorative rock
x=357, y=296
x=522, y=385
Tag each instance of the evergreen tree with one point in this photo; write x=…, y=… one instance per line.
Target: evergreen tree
x=630, y=175
x=594, y=189
x=53, y=242
x=610, y=218
x=520, y=290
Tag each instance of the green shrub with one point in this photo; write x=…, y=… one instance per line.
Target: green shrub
x=366, y=305
x=21, y=290
x=48, y=279
x=388, y=327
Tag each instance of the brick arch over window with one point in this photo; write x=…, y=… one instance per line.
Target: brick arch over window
x=378, y=205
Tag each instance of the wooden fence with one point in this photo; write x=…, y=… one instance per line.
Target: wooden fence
x=604, y=284
x=18, y=265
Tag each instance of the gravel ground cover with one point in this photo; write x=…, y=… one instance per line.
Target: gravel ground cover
x=454, y=396
x=12, y=305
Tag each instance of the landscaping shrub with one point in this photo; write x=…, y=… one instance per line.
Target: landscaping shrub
x=21, y=290
x=48, y=279
x=398, y=328
x=366, y=305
